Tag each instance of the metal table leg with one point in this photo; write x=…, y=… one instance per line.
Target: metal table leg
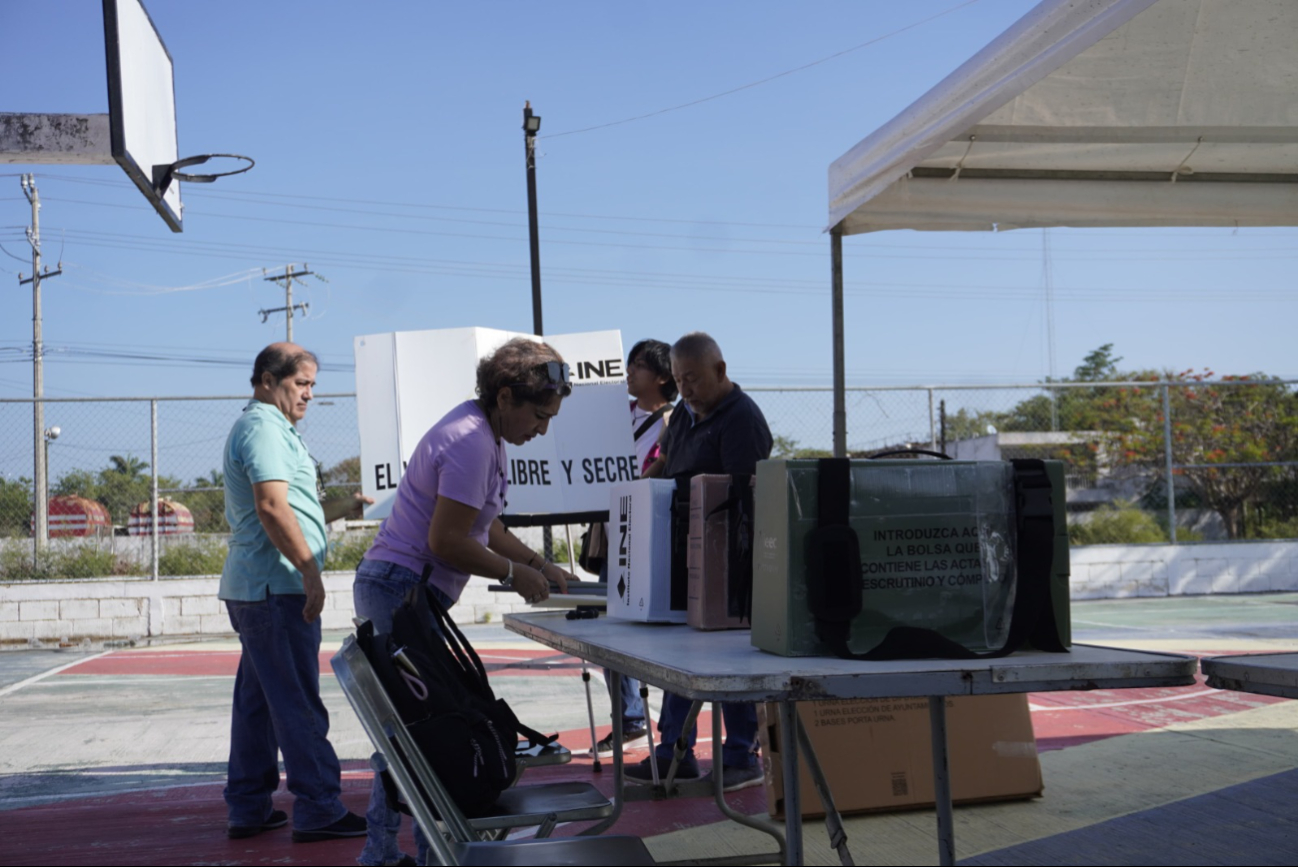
x=618, y=774
x=833, y=821
x=792, y=797
x=942, y=781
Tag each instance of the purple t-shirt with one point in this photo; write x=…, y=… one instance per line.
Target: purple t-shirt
x=460, y=459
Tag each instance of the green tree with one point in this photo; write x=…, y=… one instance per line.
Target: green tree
x=207, y=504
x=1253, y=422
x=120, y=486
x=787, y=448
x=15, y=507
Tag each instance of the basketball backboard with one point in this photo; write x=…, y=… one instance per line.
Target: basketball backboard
x=139, y=131
x=142, y=105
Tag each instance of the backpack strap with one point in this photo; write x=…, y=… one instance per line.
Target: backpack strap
x=649, y=422
x=468, y=668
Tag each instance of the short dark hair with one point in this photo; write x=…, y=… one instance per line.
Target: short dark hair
x=519, y=365
x=657, y=356
x=280, y=362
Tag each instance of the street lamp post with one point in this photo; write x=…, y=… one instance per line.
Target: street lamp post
x=531, y=124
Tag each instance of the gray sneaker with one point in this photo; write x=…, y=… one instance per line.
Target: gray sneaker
x=734, y=779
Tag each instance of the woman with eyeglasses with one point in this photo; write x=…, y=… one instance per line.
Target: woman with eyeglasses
x=446, y=516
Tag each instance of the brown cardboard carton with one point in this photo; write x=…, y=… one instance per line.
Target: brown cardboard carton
x=877, y=754
x=708, y=558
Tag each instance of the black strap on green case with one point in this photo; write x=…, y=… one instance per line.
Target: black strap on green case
x=833, y=568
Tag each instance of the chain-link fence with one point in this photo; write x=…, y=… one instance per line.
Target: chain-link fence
x=102, y=459
x=1233, y=461
x=1230, y=446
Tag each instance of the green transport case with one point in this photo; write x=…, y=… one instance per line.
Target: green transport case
x=937, y=549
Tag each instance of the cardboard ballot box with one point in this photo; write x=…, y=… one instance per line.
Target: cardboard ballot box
x=937, y=546
x=719, y=527
x=877, y=754
x=642, y=584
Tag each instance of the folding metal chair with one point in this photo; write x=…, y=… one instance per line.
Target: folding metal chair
x=407, y=765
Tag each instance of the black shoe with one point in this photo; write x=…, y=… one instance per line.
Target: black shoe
x=276, y=819
x=635, y=733
x=688, y=769
x=350, y=825
x=734, y=779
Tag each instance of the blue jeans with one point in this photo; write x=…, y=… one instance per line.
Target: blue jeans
x=741, y=730
x=277, y=708
x=632, y=706
x=379, y=590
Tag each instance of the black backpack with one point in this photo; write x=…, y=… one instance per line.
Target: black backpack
x=439, y=687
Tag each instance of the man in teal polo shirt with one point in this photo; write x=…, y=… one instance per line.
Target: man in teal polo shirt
x=274, y=593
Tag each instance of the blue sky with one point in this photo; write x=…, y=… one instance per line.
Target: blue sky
x=390, y=158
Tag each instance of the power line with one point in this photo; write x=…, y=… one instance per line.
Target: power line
x=960, y=253
x=426, y=205
x=257, y=198
x=766, y=80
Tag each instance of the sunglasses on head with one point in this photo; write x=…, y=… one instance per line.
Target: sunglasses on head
x=556, y=375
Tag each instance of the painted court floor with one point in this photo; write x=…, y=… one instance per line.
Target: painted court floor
x=118, y=758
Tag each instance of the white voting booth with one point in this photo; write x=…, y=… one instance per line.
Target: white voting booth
x=407, y=380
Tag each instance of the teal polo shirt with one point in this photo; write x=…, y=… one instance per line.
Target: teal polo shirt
x=264, y=446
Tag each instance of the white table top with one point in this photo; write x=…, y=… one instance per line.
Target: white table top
x=1263, y=673
x=724, y=666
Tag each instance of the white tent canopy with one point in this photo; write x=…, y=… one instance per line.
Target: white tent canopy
x=1095, y=113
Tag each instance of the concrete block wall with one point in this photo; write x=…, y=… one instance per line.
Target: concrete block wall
x=1122, y=571
x=137, y=607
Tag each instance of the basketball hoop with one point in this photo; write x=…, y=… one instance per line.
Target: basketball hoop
x=166, y=174
x=207, y=178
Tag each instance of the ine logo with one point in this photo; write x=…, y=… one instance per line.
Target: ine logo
x=623, y=558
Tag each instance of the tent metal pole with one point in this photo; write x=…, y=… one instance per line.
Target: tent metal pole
x=840, y=375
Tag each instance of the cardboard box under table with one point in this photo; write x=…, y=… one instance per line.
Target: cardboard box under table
x=877, y=753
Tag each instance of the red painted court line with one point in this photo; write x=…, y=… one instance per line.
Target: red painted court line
x=224, y=663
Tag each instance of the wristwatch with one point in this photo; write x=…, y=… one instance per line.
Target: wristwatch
x=508, y=580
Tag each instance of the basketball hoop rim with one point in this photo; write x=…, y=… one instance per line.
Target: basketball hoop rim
x=206, y=178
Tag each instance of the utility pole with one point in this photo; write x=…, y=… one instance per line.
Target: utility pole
x=531, y=125
x=288, y=277
x=40, y=492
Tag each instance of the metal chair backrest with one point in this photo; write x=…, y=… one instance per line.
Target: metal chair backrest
x=409, y=769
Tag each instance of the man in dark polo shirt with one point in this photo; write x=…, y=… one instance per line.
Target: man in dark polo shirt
x=721, y=430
